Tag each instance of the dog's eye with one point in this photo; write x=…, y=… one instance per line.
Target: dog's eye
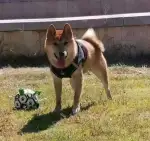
x=55, y=44
x=65, y=43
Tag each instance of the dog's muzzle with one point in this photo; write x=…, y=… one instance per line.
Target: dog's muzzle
x=61, y=55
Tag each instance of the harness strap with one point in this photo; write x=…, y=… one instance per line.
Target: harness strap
x=81, y=56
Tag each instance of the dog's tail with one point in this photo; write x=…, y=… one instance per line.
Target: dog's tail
x=90, y=36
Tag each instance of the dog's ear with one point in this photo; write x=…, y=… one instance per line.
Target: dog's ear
x=51, y=32
x=67, y=32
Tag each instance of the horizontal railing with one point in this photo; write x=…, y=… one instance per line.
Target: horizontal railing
x=128, y=19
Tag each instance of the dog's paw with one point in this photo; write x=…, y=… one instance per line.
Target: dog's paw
x=109, y=98
x=57, y=110
x=109, y=95
x=75, y=110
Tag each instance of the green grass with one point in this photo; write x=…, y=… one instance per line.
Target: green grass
x=125, y=118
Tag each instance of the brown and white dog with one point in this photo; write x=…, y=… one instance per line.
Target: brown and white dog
x=62, y=49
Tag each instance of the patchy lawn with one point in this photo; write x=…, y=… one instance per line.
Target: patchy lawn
x=126, y=118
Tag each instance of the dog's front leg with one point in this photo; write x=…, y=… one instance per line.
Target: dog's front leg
x=76, y=82
x=58, y=90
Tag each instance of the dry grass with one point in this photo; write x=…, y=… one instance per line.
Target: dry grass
x=125, y=118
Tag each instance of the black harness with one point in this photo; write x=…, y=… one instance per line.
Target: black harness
x=79, y=59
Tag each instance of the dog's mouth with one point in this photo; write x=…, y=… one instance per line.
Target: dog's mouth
x=61, y=58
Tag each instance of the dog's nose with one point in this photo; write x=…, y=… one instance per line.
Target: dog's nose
x=63, y=54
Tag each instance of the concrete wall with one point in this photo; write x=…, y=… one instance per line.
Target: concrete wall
x=121, y=43
x=125, y=36
x=11, y=9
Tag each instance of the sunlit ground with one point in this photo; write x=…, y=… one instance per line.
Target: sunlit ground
x=125, y=118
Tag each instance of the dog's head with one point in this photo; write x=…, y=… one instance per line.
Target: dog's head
x=60, y=46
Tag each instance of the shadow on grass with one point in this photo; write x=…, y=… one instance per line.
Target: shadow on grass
x=42, y=122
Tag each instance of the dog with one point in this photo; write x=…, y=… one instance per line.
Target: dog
x=71, y=58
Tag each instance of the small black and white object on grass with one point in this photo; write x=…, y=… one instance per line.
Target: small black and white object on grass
x=26, y=99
